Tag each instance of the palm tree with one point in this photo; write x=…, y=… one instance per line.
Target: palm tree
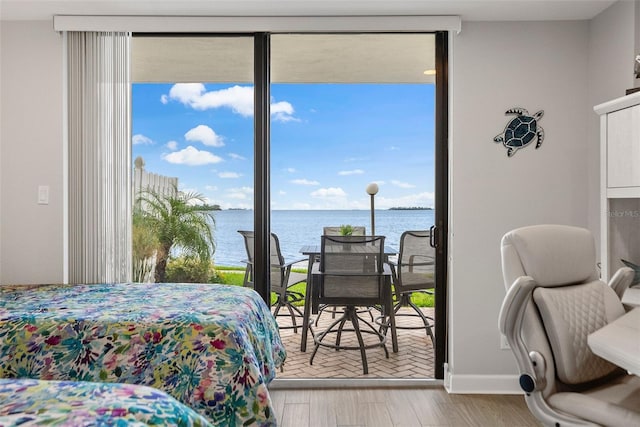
x=180, y=220
x=144, y=246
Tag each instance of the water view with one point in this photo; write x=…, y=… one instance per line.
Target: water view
x=296, y=228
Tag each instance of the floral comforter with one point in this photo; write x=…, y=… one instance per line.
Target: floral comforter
x=213, y=347
x=28, y=402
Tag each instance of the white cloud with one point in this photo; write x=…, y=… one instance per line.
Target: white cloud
x=241, y=193
x=185, y=92
x=210, y=188
x=235, y=156
x=204, y=134
x=141, y=139
x=393, y=148
x=303, y=181
x=291, y=170
x=229, y=174
x=402, y=184
x=282, y=111
x=192, y=157
x=172, y=145
x=282, y=193
x=237, y=98
x=164, y=99
x=245, y=190
x=351, y=172
x=329, y=192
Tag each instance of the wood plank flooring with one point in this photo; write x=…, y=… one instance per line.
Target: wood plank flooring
x=397, y=407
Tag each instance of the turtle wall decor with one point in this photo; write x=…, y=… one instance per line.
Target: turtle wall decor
x=521, y=130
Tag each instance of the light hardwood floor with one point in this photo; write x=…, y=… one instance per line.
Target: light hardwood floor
x=407, y=407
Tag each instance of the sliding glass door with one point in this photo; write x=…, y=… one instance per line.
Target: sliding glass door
x=348, y=111
x=284, y=133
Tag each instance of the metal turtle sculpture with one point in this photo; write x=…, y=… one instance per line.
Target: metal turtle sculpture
x=521, y=130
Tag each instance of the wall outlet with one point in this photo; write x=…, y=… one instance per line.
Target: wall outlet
x=43, y=194
x=504, y=344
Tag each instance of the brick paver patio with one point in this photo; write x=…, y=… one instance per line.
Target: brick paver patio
x=414, y=360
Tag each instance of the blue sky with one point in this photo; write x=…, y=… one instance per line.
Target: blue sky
x=328, y=141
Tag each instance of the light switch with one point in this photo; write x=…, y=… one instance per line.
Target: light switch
x=43, y=194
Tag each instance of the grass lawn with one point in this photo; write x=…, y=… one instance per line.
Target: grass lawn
x=235, y=276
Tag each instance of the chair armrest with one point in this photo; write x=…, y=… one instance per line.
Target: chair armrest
x=290, y=263
x=530, y=364
x=315, y=269
x=428, y=260
x=394, y=272
x=621, y=280
x=387, y=268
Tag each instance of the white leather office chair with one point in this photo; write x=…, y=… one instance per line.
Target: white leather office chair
x=554, y=301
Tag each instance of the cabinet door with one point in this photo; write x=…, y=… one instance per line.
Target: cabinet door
x=623, y=148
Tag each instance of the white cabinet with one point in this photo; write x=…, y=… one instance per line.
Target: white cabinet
x=623, y=148
x=619, y=182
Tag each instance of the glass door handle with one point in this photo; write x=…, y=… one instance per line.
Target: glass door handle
x=432, y=241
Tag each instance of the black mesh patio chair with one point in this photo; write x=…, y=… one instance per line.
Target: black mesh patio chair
x=414, y=272
x=335, y=231
x=282, y=278
x=352, y=273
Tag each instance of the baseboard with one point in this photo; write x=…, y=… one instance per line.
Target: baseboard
x=482, y=384
x=317, y=383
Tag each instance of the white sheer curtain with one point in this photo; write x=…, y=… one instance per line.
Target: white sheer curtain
x=99, y=99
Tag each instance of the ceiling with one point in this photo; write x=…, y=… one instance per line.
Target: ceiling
x=295, y=58
x=468, y=10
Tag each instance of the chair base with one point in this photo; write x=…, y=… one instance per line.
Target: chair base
x=337, y=327
x=405, y=301
x=293, y=312
x=336, y=310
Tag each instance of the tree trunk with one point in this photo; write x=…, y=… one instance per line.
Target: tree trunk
x=161, y=265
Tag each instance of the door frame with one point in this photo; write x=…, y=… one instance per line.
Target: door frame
x=441, y=202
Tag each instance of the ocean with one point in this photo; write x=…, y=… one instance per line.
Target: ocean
x=304, y=227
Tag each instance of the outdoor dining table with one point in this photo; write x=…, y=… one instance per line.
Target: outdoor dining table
x=313, y=252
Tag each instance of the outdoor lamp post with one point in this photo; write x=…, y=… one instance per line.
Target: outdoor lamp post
x=372, y=190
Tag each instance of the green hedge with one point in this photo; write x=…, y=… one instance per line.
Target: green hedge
x=236, y=277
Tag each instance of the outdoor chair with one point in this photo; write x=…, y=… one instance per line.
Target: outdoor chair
x=414, y=272
x=335, y=231
x=554, y=301
x=282, y=278
x=352, y=273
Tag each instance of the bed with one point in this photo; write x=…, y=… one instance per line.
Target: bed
x=28, y=402
x=212, y=347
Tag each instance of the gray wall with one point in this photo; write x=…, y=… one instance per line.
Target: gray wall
x=497, y=66
x=561, y=67
x=31, y=153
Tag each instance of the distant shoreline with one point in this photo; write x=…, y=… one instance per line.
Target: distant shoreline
x=413, y=208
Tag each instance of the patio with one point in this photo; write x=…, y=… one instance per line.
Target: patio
x=414, y=360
